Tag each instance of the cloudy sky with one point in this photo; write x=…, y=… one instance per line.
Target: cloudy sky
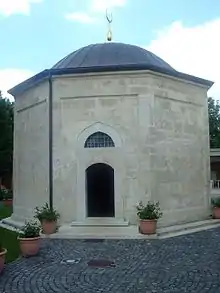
x=35, y=34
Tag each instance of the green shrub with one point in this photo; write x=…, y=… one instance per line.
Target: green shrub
x=215, y=202
x=30, y=230
x=151, y=211
x=46, y=213
x=5, y=194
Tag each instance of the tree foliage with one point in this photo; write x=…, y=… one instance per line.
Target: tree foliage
x=6, y=137
x=214, y=123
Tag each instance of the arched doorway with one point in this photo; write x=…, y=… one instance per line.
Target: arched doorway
x=100, y=191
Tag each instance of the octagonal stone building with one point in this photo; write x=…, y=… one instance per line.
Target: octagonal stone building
x=107, y=126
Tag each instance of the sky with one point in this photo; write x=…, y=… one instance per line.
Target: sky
x=35, y=34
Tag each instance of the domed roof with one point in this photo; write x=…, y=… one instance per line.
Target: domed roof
x=107, y=55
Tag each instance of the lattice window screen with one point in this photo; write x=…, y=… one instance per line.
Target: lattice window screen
x=99, y=140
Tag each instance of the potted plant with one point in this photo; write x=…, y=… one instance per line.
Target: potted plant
x=48, y=218
x=3, y=252
x=1, y=195
x=148, y=216
x=29, y=239
x=8, y=198
x=215, y=207
x=6, y=195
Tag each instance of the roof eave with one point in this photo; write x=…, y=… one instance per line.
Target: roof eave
x=205, y=82
x=134, y=67
x=20, y=88
x=28, y=83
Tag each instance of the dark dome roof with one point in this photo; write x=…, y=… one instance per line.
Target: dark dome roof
x=108, y=55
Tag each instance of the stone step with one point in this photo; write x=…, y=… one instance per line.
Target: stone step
x=8, y=227
x=187, y=228
x=99, y=232
x=131, y=232
x=12, y=223
x=187, y=231
x=119, y=232
x=101, y=222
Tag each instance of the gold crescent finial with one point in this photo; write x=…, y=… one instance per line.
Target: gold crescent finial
x=109, y=19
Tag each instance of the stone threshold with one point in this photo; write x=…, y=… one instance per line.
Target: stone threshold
x=104, y=222
x=100, y=232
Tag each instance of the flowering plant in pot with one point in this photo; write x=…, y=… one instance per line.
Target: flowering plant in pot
x=48, y=218
x=148, y=215
x=3, y=252
x=215, y=202
x=29, y=239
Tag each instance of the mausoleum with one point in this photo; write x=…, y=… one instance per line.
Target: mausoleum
x=107, y=126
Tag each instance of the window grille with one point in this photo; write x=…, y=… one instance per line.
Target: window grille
x=99, y=140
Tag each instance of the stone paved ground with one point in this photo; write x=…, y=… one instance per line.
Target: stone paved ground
x=188, y=263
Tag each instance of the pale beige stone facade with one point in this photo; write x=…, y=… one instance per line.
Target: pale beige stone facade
x=159, y=125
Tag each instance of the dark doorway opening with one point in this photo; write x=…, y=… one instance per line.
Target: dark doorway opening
x=100, y=191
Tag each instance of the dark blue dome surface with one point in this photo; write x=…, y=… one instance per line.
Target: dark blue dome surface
x=109, y=55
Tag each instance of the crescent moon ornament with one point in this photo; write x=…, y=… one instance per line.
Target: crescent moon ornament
x=109, y=19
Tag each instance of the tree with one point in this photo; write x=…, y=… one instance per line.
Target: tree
x=6, y=136
x=214, y=122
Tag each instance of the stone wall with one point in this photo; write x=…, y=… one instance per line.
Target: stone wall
x=161, y=128
x=164, y=154
x=30, y=178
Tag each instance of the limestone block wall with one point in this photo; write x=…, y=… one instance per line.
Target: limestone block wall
x=30, y=177
x=160, y=129
x=84, y=104
x=164, y=155
x=180, y=156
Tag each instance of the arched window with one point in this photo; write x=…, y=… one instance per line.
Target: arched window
x=99, y=140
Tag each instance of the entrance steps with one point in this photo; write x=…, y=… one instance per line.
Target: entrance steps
x=178, y=230
x=101, y=222
x=131, y=231
x=119, y=232
x=10, y=224
x=100, y=232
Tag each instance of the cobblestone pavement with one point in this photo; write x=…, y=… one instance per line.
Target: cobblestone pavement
x=189, y=263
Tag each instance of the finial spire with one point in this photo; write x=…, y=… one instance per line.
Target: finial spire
x=109, y=19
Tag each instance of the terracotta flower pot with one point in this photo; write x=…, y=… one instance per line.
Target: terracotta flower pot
x=216, y=213
x=48, y=227
x=2, y=259
x=147, y=226
x=29, y=246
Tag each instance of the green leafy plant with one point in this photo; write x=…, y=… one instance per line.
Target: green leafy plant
x=46, y=213
x=214, y=122
x=5, y=194
x=30, y=230
x=215, y=202
x=150, y=211
x=10, y=194
x=6, y=142
x=2, y=193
